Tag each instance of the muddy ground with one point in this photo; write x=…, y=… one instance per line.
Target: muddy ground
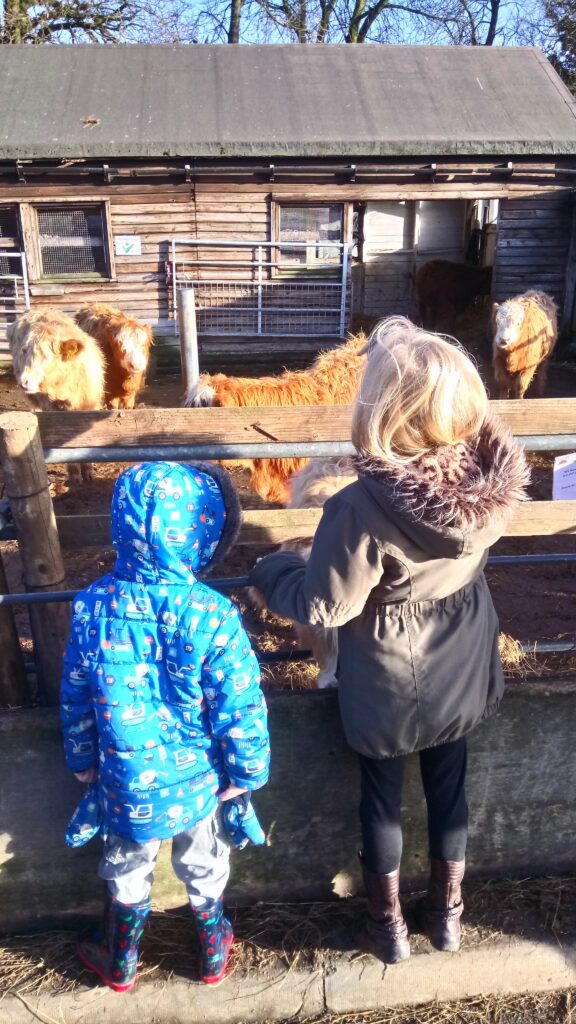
x=534, y=603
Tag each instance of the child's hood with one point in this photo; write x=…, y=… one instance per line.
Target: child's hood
x=169, y=521
x=453, y=501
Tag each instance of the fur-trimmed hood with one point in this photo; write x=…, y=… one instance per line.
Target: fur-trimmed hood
x=449, y=499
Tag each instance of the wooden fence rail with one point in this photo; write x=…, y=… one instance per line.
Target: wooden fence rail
x=555, y=416
x=262, y=526
x=545, y=424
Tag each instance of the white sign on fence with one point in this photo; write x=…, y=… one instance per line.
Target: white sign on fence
x=564, y=486
x=128, y=245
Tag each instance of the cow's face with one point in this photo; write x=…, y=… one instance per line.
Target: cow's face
x=133, y=345
x=508, y=320
x=35, y=359
x=31, y=357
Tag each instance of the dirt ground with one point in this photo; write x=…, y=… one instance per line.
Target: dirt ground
x=534, y=603
x=318, y=935
x=554, y=1008
x=312, y=936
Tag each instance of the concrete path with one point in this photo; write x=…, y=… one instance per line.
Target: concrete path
x=353, y=983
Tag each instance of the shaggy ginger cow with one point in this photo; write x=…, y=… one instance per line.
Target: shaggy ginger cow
x=525, y=330
x=125, y=343
x=310, y=488
x=332, y=379
x=58, y=366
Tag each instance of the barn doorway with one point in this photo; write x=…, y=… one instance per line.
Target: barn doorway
x=395, y=237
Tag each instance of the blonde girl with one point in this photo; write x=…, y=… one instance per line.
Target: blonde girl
x=397, y=566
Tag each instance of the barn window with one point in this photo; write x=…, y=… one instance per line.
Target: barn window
x=73, y=241
x=321, y=227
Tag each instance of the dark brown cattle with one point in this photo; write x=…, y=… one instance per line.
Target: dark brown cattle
x=444, y=289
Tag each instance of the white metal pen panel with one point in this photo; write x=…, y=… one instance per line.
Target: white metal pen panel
x=14, y=294
x=252, y=289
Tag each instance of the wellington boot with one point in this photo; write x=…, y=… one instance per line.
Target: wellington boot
x=216, y=937
x=115, y=958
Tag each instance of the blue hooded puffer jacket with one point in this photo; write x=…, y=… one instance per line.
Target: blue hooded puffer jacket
x=160, y=687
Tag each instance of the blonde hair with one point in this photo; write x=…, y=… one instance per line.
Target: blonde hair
x=418, y=391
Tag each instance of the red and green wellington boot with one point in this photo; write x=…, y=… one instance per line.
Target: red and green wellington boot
x=216, y=937
x=115, y=958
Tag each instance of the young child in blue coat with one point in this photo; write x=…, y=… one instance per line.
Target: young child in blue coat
x=161, y=704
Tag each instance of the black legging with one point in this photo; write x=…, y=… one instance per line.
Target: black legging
x=443, y=771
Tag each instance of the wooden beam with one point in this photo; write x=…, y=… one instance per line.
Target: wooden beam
x=242, y=426
x=261, y=527
x=173, y=426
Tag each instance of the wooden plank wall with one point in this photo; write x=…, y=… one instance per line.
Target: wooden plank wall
x=154, y=212
x=241, y=210
x=231, y=213
x=532, y=247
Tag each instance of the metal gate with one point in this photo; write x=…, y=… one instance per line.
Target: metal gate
x=14, y=292
x=263, y=288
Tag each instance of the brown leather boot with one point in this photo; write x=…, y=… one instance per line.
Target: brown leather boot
x=444, y=904
x=385, y=933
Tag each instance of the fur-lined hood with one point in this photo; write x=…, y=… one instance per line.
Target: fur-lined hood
x=448, y=499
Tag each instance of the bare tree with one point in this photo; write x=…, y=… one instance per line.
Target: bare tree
x=235, y=15
x=463, y=22
x=65, y=20
x=469, y=22
x=561, y=48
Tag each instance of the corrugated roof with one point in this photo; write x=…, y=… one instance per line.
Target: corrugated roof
x=281, y=101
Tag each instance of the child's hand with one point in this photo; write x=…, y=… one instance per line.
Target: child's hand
x=90, y=775
x=230, y=793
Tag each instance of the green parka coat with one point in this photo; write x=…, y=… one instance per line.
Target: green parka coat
x=396, y=565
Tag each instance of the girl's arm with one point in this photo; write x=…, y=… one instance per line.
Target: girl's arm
x=345, y=565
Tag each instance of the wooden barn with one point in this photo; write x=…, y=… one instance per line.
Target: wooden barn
x=296, y=188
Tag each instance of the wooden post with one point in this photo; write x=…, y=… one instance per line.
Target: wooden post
x=188, y=336
x=24, y=469
x=13, y=689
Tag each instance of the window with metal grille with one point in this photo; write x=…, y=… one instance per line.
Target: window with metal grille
x=315, y=225
x=9, y=238
x=72, y=241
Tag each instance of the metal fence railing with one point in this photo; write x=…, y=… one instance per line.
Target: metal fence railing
x=252, y=289
x=14, y=288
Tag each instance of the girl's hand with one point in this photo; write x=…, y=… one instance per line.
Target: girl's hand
x=89, y=775
x=230, y=793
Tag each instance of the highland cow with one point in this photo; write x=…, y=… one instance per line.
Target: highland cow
x=444, y=290
x=333, y=379
x=525, y=330
x=125, y=343
x=58, y=366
